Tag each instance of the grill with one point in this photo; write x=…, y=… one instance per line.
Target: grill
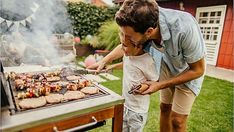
x=86, y=113
x=16, y=109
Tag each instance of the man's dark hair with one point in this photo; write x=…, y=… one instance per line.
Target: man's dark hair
x=138, y=14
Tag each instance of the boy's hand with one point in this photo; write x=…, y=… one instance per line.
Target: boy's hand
x=110, y=67
x=142, y=88
x=114, y=66
x=97, y=66
x=153, y=86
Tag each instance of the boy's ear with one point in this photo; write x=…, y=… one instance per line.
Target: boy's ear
x=140, y=46
x=149, y=31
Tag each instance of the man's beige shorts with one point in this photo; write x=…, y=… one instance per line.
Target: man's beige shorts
x=180, y=96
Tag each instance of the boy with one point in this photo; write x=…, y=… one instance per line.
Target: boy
x=135, y=72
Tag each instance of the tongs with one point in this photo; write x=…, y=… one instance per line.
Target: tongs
x=89, y=71
x=134, y=87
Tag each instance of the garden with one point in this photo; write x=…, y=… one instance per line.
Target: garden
x=213, y=108
x=95, y=26
x=94, y=31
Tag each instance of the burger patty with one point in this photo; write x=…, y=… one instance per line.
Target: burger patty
x=32, y=103
x=53, y=79
x=73, y=95
x=90, y=90
x=54, y=98
x=73, y=77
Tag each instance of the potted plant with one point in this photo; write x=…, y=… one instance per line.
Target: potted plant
x=83, y=48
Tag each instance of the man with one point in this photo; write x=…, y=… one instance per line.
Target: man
x=177, y=35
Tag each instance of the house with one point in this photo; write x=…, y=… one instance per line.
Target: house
x=99, y=3
x=215, y=18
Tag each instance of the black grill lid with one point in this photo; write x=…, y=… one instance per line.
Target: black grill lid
x=4, y=100
x=1, y=66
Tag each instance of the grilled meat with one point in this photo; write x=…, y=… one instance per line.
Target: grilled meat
x=32, y=103
x=90, y=90
x=53, y=79
x=73, y=95
x=54, y=98
x=73, y=77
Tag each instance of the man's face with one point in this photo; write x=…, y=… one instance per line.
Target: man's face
x=131, y=41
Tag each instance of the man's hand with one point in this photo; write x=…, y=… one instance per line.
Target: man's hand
x=153, y=87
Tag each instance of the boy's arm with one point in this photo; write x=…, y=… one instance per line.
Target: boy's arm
x=113, y=55
x=115, y=66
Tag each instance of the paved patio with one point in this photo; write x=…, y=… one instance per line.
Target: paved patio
x=220, y=73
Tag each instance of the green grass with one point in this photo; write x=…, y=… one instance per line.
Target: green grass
x=212, y=110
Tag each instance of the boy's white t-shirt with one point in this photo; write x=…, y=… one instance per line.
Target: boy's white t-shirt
x=136, y=70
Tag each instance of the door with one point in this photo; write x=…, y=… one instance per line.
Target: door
x=211, y=20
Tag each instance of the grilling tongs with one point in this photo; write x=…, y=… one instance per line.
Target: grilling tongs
x=89, y=71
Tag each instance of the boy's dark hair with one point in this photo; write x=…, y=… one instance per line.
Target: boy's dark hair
x=138, y=14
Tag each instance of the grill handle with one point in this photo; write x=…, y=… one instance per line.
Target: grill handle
x=79, y=127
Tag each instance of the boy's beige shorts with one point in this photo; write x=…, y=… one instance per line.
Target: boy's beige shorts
x=180, y=96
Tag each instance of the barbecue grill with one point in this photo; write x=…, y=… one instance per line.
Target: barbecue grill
x=77, y=115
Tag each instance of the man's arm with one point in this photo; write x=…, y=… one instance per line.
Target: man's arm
x=196, y=70
x=113, y=55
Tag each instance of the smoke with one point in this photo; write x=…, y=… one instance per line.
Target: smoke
x=34, y=41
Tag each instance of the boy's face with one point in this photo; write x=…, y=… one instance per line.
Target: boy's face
x=131, y=41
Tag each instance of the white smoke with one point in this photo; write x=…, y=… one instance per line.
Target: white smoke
x=34, y=42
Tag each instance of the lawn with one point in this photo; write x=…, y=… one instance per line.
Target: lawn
x=212, y=110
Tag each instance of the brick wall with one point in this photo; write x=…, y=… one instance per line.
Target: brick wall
x=226, y=52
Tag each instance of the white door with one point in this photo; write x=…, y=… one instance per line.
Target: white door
x=211, y=20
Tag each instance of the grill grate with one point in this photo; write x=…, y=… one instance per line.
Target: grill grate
x=16, y=101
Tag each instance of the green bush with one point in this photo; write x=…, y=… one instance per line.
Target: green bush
x=108, y=35
x=87, y=18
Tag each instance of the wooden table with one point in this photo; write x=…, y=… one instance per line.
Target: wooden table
x=68, y=115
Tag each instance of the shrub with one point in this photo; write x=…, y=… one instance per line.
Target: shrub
x=87, y=18
x=108, y=35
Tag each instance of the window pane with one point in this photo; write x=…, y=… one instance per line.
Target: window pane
x=203, y=14
x=211, y=21
x=215, y=37
x=212, y=14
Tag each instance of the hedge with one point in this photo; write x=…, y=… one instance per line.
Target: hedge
x=87, y=18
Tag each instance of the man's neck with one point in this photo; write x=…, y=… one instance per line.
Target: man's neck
x=156, y=36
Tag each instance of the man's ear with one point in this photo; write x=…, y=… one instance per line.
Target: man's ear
x=139, y=46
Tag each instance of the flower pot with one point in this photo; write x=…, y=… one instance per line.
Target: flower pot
x=102, y=52
x=84, y=50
